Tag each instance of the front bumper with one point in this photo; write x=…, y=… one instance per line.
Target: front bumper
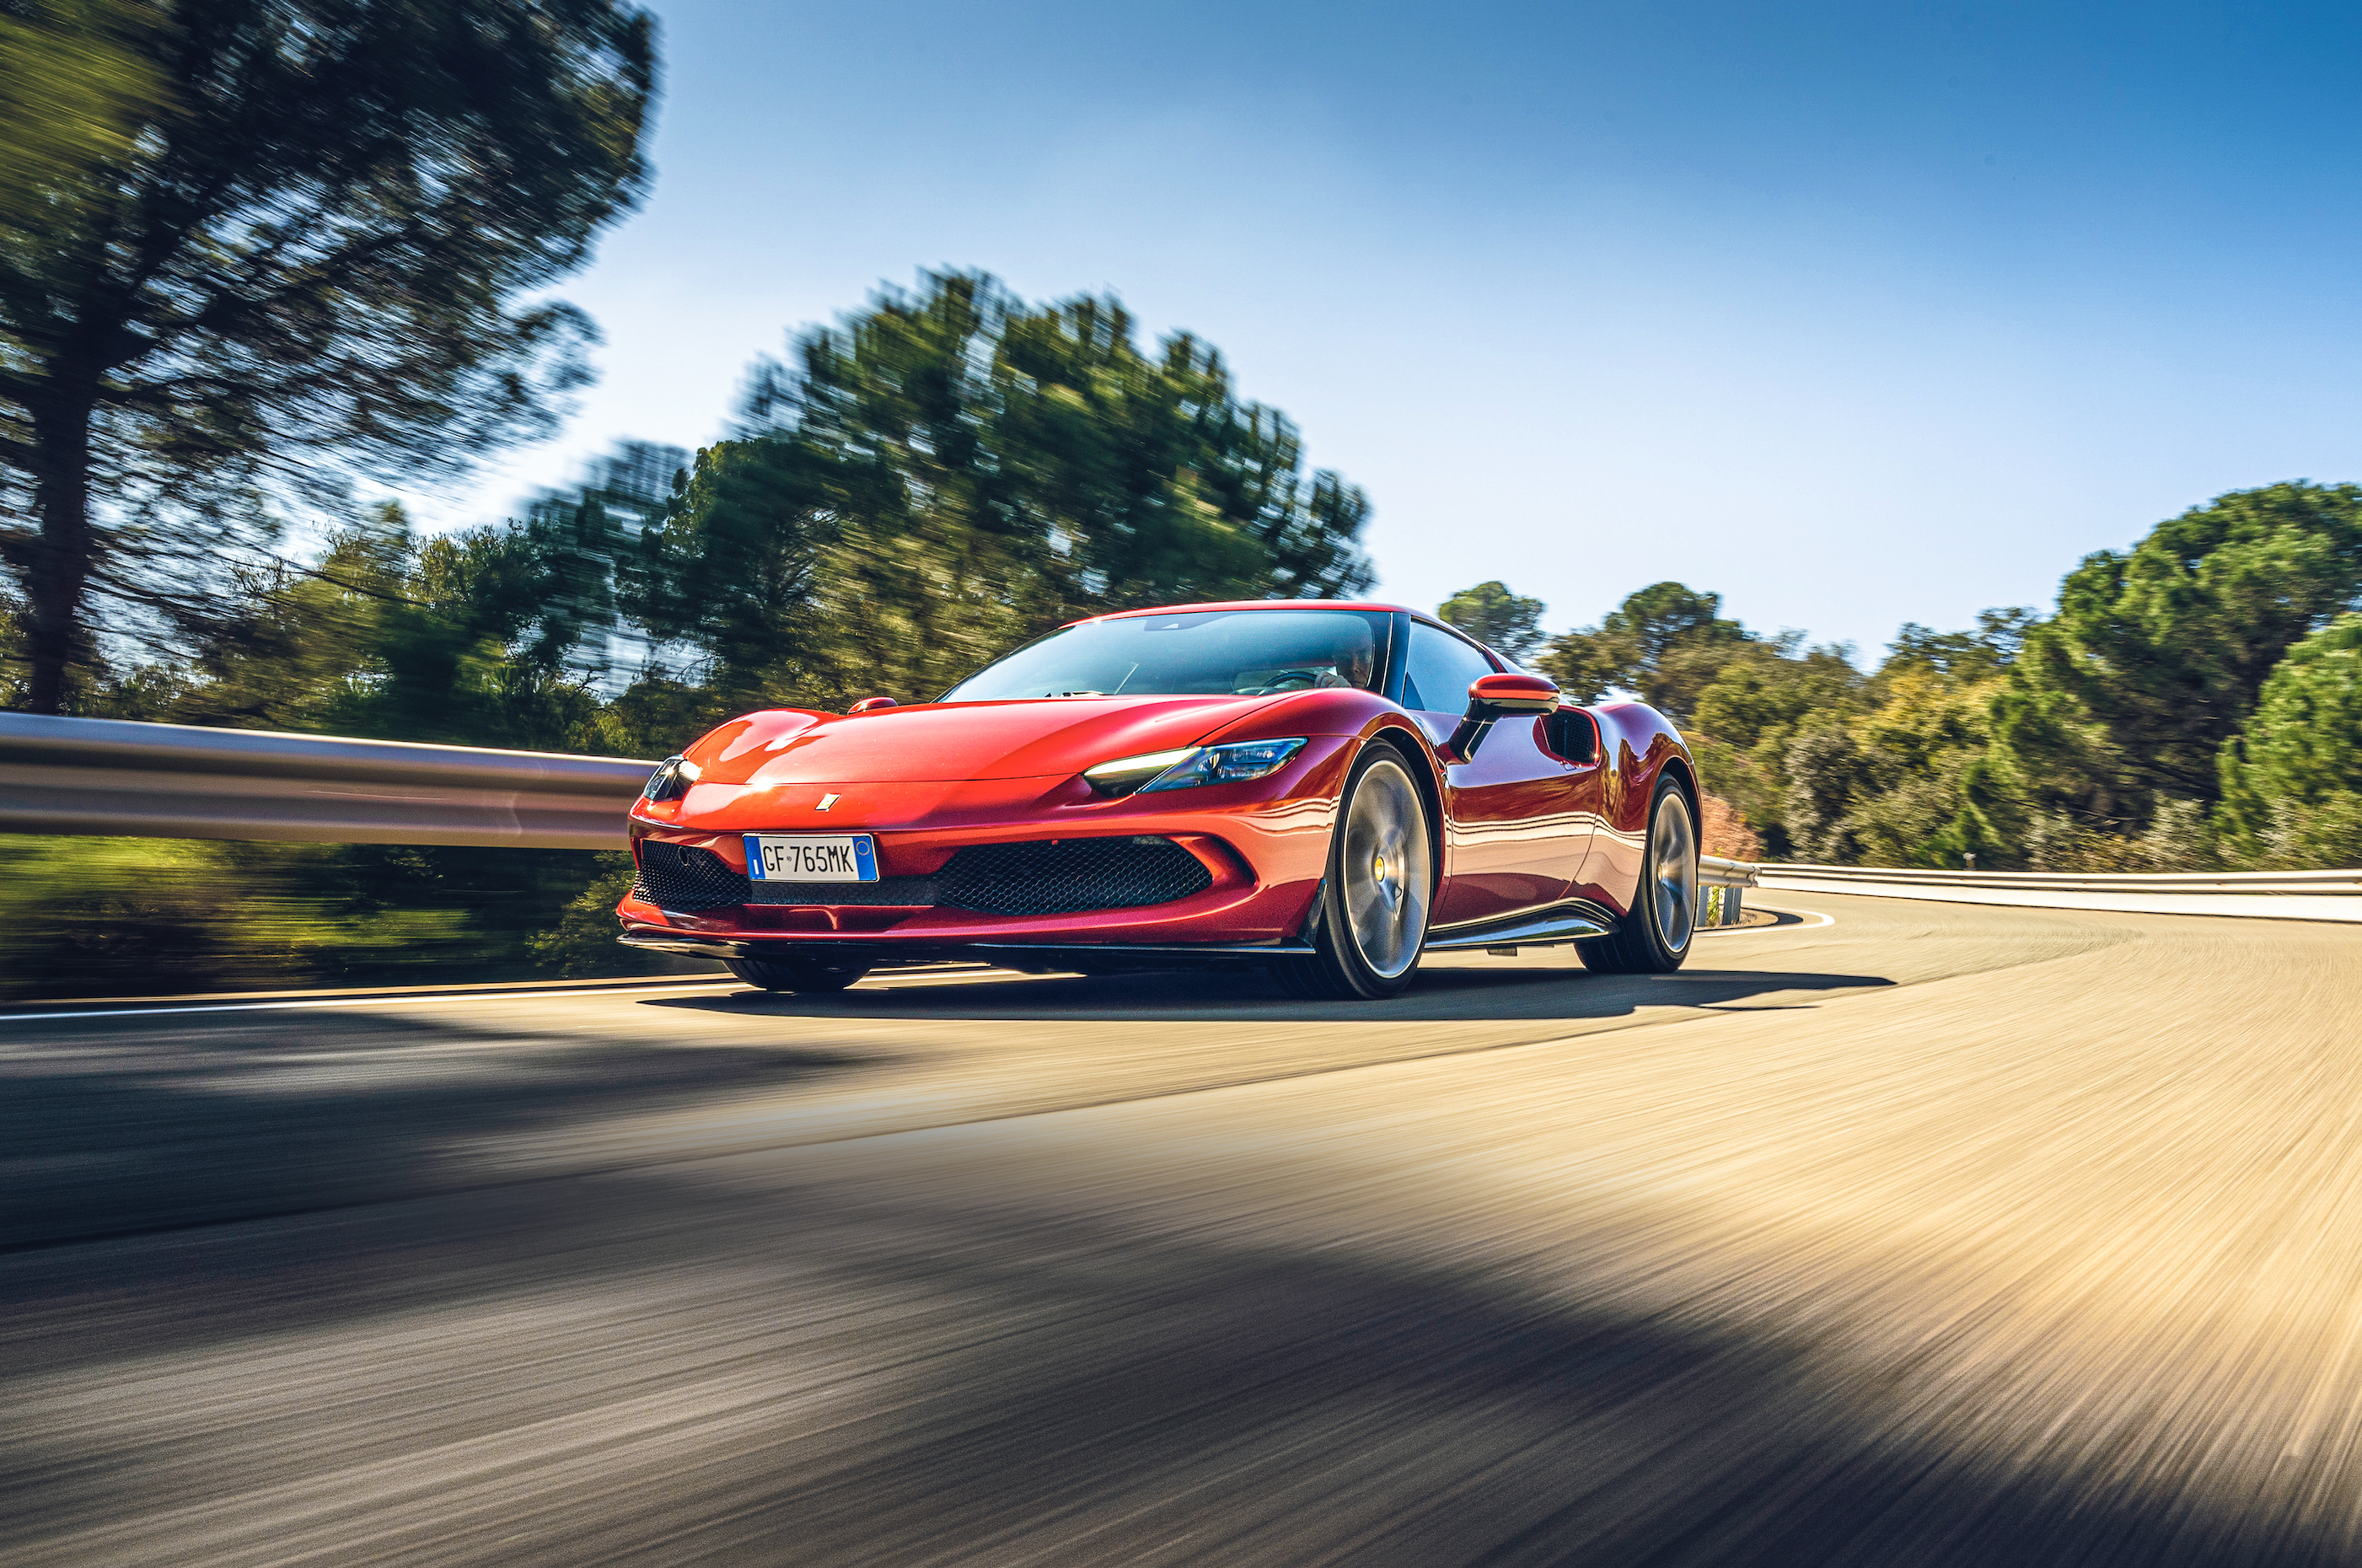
x=1263, y=843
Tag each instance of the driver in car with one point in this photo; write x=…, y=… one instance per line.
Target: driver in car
x=1354, y=665
x=1350, y=663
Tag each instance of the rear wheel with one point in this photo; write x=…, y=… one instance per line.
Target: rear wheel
x=1655, y=938
x=796, y=973
x=1369, y=918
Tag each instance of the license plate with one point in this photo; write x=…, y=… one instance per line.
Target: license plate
x=840, y=858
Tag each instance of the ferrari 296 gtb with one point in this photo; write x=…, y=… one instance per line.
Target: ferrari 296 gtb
x=1323, y=791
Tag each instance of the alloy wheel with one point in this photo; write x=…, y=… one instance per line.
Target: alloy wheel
x=1673, y=853
x=1387, y=866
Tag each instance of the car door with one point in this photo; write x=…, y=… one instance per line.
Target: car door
x=1514, y=840
x=1571, y=738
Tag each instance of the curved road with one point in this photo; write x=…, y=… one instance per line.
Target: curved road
x=1938, y=1234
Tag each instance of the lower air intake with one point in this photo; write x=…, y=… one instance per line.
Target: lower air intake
x=677, y=877
x=1070, y=875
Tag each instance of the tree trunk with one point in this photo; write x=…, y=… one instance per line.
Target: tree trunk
x=58, y=578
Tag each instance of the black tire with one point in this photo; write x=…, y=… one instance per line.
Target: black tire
x=1383, y=825
x=1657, y=936
x=796, y=973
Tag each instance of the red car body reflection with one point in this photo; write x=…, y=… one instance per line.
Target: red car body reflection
x=1540, y=835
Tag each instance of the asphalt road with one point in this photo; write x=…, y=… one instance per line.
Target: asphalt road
x=1939, y=1234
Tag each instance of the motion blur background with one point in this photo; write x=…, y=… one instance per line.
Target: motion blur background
x=1857, y=313
x=570, y=378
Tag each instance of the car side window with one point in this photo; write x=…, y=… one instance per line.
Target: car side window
x=1440, y=670
x=1571, y=735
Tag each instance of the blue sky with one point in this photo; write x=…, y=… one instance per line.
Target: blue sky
x=1856, y=314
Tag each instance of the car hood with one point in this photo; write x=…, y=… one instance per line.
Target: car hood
x=958, y=741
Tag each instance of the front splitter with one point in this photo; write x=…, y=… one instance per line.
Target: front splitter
x=1077, y=955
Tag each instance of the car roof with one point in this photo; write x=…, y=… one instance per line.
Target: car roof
x=1363, y=604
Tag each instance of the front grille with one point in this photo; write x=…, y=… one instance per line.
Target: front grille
x=1048, y=877
x=1069, y=875
x=676, y=877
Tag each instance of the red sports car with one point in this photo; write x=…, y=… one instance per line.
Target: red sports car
x=1323, y=791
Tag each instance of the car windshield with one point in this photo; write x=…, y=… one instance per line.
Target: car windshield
x=1240, y=652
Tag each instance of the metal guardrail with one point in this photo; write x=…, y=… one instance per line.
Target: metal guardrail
x=2330, y=895
x=1714, y=871
x=2249, y=883
x=110, y=776
x=1725, y=882
x=107, y=776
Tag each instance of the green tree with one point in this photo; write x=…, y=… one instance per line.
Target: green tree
x=1882, y=783
x=466, y=637
x=1978, y=654
x=75, y=86
x=2292, y=782
x=1667, y=643
x=285, y=647
x=947, y=472
x=1827, y=772
x=2157, y=655
x=580, y=537
x=1830, y=766
x=327, y=252
x=1505, y=622
x=1763, y=691
x=736, y=571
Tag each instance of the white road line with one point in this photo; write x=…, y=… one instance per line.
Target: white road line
x=1812, y=919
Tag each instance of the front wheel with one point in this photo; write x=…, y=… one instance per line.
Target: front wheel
x=1655, y=936
x=1369, y=920
x=795, y=974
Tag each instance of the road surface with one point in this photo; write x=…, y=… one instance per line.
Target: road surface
x=1898, y=1234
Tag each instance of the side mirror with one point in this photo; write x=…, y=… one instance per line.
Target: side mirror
x=871, y=704
x=1499, y=696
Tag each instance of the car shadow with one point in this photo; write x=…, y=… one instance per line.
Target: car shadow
x=1440, y=995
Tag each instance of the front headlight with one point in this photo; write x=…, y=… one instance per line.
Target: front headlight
x=671, y=780
x=1192, y=766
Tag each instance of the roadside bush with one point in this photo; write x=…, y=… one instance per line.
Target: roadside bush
x=151, y=917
